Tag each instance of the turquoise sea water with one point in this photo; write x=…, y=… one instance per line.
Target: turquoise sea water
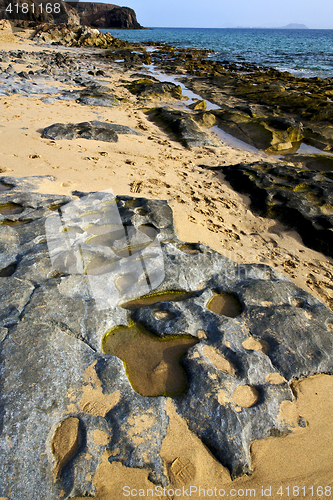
x=306, y=53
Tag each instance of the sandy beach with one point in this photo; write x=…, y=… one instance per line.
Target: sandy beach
x=206, y=210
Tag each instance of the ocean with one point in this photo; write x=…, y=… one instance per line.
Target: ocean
x=305, y=53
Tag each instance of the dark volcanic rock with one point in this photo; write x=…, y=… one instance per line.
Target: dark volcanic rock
x=182, y=125
x=55, y=374
x=317, y=162
x=84, y=130
x=297, y=197
x=151, y=88
x=241, y=86
x=267, y=133
x=94, y=130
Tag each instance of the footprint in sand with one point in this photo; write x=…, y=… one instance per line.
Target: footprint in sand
x=182, y=471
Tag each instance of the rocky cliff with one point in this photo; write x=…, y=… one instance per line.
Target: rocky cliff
x=102, y=15
x=98, y=15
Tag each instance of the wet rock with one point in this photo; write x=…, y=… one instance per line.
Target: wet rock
x=196, y=105
x=65, y=401
x=182, y=125
x=316, y=162
x=296, y=197
x=247, y=87
x=267, y=133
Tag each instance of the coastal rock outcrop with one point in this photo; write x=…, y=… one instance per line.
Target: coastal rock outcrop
x=266, y=133
x=103, y=15
x=74, y=36
x=298, y=197
x=270, y=98
x=66, y=400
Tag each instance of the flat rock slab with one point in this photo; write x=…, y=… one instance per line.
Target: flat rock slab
x=255, y=332
x=298, y=197
x=94, y=130
x=317, y=162
x=149, y=87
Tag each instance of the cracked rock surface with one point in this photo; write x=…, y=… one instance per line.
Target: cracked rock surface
x=256, y=332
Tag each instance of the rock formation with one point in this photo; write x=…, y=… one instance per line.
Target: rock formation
x=298, y=197
x=247, y=333
x=103, y=15
x=98, y=15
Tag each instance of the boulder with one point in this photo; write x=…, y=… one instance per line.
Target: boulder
x=73, y=36
x=66, y=400
x=94, y=130
x=182, y=125
x=84, y=130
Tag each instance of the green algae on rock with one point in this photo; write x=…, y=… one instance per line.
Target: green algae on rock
x=152, y=363
x=11, y=209
x=154, y=298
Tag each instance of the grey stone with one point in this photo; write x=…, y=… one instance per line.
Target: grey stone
x=95, y=130
x=51, y=352
x=120, y=129
x=99, y=100
x=84, y=130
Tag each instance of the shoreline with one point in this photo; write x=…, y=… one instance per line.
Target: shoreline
x=155, y=165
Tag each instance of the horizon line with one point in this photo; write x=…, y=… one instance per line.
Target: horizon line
x=226, y=28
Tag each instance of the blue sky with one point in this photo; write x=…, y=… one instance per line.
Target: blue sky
x=232, y=13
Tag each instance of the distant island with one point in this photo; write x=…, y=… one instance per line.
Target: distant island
x=291, y=26
x=294, y=26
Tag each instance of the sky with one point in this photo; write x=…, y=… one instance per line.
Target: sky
x=316, y=14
